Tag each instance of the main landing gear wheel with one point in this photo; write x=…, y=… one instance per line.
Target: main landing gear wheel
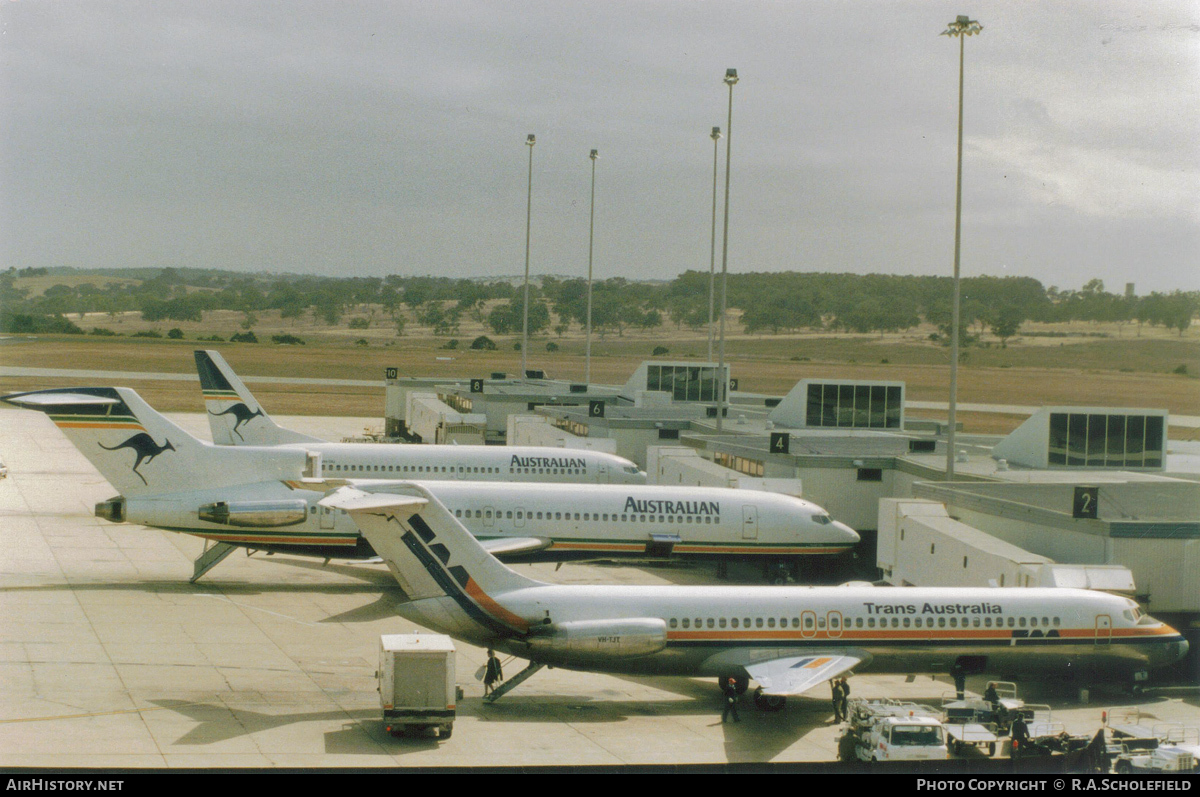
x=768, y=702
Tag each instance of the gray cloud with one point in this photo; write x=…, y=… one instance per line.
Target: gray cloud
x=378, y=137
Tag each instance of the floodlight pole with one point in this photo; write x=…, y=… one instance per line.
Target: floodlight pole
x=961, y=27
x=731, y=78
x=712, y=246
x=587, y=377
x=529, y=142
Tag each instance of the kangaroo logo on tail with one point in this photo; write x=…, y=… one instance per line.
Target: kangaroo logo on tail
x=241, y=414
x=145, y=448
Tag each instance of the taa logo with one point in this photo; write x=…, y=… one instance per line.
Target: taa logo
x=144, y=447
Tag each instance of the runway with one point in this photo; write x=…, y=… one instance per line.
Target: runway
x=109, y=658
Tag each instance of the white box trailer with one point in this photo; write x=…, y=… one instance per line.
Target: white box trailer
x=417, y=688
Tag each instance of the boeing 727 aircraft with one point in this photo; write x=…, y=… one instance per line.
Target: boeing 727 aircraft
x=788, y=639
x=266, y=498
x=237, y=419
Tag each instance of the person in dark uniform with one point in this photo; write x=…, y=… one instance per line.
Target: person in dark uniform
x=835, y=688
x=845, y=699
x=960, y=681
x=991, y=697
x=731, y=698
x=1020, y=735
x=493, y=674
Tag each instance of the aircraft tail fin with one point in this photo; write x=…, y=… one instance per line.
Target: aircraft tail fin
x=432, y=555
x=139, y=451
x=234, y=416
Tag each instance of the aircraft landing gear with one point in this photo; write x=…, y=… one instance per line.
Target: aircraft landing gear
x=768, y=702
x=779, y=573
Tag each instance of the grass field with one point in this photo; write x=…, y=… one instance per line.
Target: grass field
x=1082, y=364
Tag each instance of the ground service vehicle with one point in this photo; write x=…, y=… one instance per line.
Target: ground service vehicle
x=1137, y=747
x=417, y=690
x=891, y=731
x=976, y=722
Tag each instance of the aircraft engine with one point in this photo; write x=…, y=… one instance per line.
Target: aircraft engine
x=113, y=509
x=602, y=639
x=255, y=514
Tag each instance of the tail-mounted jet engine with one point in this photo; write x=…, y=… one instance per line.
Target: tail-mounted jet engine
x=255, y=514
x=593, y=640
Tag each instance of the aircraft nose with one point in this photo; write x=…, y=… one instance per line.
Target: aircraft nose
x=849, y=535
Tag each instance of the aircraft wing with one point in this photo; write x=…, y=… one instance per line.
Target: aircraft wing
x=500, y=547
x=794, y=675
x=350, y=499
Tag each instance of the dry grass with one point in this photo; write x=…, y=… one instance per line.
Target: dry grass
x=1081, y=369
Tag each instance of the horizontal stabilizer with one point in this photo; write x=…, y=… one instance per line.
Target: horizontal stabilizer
x=40, y=400
x=501, y=547
x=795, y=675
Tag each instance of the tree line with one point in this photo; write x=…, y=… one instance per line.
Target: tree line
x=769, y=303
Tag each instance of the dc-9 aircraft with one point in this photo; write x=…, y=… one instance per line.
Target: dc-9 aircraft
x=237, y=419
x=267, y=498
x=787, y=639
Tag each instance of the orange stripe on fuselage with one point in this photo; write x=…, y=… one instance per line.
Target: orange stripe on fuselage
x=961, y=635
x=496, y=610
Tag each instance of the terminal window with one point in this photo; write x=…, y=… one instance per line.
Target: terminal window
x=683, y=382
x=1096, y=440
x=854, y=406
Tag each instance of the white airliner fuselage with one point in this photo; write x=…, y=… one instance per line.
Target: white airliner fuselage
x=788, y=639
x=237, y=419
x=530, y=521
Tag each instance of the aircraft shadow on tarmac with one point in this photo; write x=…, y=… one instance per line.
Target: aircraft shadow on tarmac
x=759, y=736
x=218, y=723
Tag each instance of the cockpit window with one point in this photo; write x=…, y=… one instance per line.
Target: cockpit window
x=822, y=520
x=631, y=469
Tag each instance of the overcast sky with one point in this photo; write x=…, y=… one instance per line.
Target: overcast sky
x=369, y=138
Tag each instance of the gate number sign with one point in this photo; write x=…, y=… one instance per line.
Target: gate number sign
x=1086, y=499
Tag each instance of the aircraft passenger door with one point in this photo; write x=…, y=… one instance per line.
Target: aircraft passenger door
x=834, y=619
x=327, y=518
x=459, y=471
x=808, y=624
x=519, y=517
x=749, y=522
x=489, y=519
x=1103, y=629
x=601, y=472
